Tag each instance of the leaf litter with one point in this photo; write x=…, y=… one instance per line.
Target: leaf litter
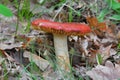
x=102, y=40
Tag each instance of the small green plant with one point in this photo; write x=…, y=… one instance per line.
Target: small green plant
x=5, y=11
x=99, y=59
x=115, y=6
x=24, y=12
x=112, y=9
x=5, y=71
x=42, y=2
x=118, y=49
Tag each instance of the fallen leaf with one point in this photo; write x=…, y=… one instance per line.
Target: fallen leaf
x=84, y=45
x=5, y=55
x=95, y=24
x=40, y=62
x=4, y=46
x=107, y=72
x=24, y=39
x=105, y=52
x=1, y=56
x=119, y=1
x=118, y=35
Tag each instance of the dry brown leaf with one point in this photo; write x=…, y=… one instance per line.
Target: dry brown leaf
x=40, y=62
x=118, y=35
x=93, y=22
x=94, y=38
x=105, y=52
x=107, y=72
x=24, y=39
x=1, y=56
x=5, y=55
x=4, y=46
x=84, y=45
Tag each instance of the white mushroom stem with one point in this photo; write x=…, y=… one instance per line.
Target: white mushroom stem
x=61, y=50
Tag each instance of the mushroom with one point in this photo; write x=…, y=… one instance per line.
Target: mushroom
x=60, y=32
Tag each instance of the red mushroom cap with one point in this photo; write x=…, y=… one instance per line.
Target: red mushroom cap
x=61, y=28
x=76, y=28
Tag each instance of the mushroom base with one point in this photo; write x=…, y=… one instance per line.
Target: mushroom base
x=61, y=50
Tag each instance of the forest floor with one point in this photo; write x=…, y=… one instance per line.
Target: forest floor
x=28, y=54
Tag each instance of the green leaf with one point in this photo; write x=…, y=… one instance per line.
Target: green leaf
x=42, y=1
x=99, y=59
x=115, y=17
x=5, y=11
x=118, y=46
x=102, y=14
x=117, y=11
x=113, y=4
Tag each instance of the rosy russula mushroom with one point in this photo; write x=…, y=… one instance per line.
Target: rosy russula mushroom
x=60, y=32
